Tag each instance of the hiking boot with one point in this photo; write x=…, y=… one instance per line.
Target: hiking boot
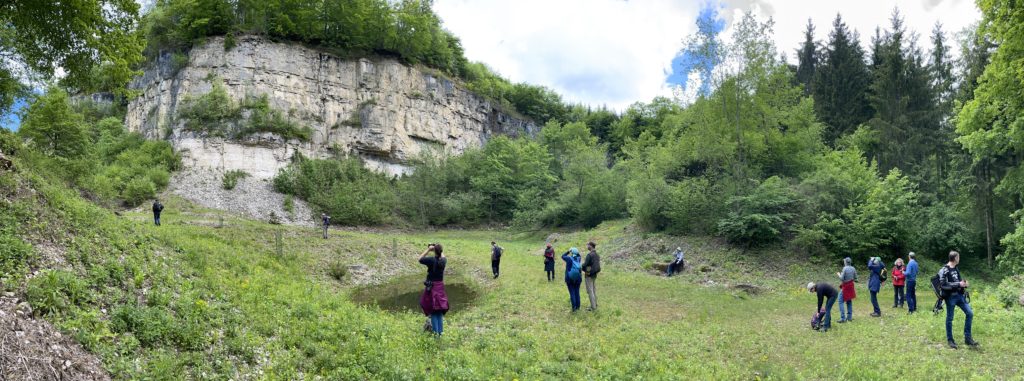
x=952, y=345
x=970, y=341
x=876, y=314
x=841, y=321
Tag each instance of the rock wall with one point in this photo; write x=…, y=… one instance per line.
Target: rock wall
x=380, y=110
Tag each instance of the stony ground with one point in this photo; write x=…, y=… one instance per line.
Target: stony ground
x=252, y=197
x=32, y=349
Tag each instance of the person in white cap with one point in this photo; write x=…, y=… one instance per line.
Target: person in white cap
x=825, y=292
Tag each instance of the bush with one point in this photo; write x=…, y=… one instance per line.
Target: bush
x=14, y=255
x=337, y=270
x=762, y=216
x=231, y=178
x=56, y=291
x=342, y=188
x=1011, y=291
x=138, y=190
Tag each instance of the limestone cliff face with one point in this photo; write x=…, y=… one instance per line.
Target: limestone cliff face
x=380, y=110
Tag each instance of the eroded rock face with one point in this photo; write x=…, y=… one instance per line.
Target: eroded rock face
x=382, y=111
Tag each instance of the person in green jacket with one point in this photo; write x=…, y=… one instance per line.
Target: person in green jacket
x=591, y=266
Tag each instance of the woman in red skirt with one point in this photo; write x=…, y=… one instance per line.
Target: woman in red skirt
x=434, y=301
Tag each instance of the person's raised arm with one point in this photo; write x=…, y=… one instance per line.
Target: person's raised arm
x=427, y=251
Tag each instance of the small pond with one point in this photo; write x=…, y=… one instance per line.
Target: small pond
x=402, y=294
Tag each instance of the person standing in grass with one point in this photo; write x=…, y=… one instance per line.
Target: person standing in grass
x=326, y=222
x=573, y=276
x=592, y=266
x=549, y=262
x=898, y=282
x=825, y=291
x=954, y=291
x=847, y=292
x=495, y=258
x=434, y=300
x=876, y=267
x=157, y=208
x=678, y=263
x=911, y=274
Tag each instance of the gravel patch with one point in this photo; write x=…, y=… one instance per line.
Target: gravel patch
x=32, y=349
x=252, y=197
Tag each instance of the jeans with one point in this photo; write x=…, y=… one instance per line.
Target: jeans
x=828, y=312
x=874, y=302
x=325, y=231
x=592, y=290
x=957, y=300
x=156, y=219
x=845, y=314
x=574, y=293
x=494, y=266
x=437, y=322
x=911, y=295
x=898, y=297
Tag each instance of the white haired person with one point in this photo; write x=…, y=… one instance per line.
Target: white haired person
x=827, y=295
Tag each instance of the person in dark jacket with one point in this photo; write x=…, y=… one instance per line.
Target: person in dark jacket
x=825, y=292
x=326, y=222
x=876, y=267
x=592, y=266
x=157, y=208
x=573, y=277
x=495, y=258
x=954, y=289
x=549, y=262
x=434, y=300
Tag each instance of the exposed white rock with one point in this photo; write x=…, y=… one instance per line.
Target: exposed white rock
x=381, y=110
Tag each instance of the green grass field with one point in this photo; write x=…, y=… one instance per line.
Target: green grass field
x=284, y=317
x=191, y=300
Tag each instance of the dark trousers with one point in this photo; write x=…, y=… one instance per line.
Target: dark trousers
x=911, y=295
x=495, y=263
x=874, y=302
x=325, y=231
x=957, y=300
x=574, y=293
x=898, y=298
x=550, y=275
x=827, y=320
x=675, y=267
x=156, y=219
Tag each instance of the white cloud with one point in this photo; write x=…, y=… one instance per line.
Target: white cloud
x=616, y=52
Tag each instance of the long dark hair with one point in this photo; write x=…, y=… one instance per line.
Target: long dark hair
x=438, y=249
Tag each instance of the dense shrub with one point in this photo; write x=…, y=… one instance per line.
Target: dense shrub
x=1011, y=291
x=762, y=216
x=215, y=114
x=342, y=188
x=231, y=178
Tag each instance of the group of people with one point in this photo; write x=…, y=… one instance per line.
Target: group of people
x=578, y=271
x=952, y=291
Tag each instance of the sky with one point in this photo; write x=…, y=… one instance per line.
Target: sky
x=617, y=52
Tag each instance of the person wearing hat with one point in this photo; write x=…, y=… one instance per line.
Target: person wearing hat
x=846, y=290
x=876, y=268
x=825, y=292
x=549, y=262
x=678, y=263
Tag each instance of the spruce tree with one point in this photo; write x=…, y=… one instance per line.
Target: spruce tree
x=807, y=59
x=840, y=83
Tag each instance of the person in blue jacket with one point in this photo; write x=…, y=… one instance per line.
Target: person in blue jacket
x=573, y=276
x=876, y=267
x=911, y=273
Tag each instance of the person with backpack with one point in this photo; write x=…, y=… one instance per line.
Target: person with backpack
x=876, y=267
x=846, y=290
x=549, y=263
x=911, y=274
x=434, y=300
x=326, y=222
x=677, y=263
x=592, y=266
x=898, y=282
x=495, y=258
x=573, y=276
x=954, y=291
x=157, y=208
x=825, y=292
